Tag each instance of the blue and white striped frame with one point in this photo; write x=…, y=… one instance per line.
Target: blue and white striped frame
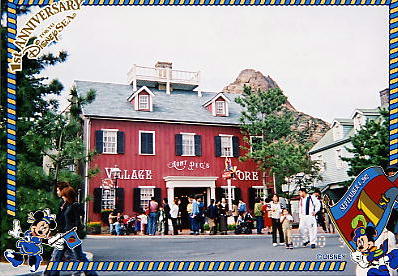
x=191, y=265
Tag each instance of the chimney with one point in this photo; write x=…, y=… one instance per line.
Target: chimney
x=384, y=98
x=164, y=72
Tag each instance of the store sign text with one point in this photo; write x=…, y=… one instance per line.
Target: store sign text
x=185, y=165
x=246, y=175
x=130, y=174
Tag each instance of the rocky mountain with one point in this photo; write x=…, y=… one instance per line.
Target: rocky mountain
x=309, y=128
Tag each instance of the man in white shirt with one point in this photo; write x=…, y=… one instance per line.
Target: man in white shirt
x=309, y=205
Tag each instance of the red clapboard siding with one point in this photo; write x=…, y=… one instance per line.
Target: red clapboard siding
x=164, y=153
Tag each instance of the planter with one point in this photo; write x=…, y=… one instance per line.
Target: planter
x=94, y=228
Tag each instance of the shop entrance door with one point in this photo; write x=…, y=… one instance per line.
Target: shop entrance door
x=183, y=194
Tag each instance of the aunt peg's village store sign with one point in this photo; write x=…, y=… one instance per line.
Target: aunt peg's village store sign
x=191, y=166
x=145, y=174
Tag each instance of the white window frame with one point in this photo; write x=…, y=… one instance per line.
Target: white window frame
x=221, y=107
x=258, y=194
x=339, y=161
x=225, y=192
x=230, y=139
x=108, y=199
x=192, y=137
x=104, y=131
x=141, y=96
x=251, y=141
x=151, y=193
x=139, y=141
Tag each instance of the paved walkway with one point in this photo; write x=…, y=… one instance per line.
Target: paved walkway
x=6, y=269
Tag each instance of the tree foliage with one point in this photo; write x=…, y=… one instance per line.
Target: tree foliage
x=369, y=145
x=265, y=116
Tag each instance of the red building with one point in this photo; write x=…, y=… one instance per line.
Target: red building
x=157, y=136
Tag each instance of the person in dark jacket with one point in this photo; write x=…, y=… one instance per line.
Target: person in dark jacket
x=60, y=221
x=223, y=216
x=212, y=214
x=73, y=211
x=166, y=209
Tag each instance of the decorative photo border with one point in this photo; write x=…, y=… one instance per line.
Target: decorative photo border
x=193, y=265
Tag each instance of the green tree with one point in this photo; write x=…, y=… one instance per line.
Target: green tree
x=273, y=145
x=370, y=145
x=37, y=106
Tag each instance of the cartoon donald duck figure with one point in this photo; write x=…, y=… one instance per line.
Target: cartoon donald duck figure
x=30, y=242
x=367, y=255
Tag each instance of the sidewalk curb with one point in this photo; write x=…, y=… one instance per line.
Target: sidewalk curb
x=202, y=236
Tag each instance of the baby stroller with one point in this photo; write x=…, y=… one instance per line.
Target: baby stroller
x=131, y=225
x=245, y=225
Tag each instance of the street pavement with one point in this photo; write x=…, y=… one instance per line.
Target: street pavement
x=204, y=248
x=210, y=248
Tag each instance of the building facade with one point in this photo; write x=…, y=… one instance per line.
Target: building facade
x=161, y=136
x=333, y=146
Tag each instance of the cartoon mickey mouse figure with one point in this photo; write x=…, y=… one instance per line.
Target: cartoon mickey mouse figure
x=30, y=242
x=368, y=255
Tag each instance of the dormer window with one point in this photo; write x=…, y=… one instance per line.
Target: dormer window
x=359, y=121
x=142, y=100
x=337, y=132
x=218, y=105
x=220, y=108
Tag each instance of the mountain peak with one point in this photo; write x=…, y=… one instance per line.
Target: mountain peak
x=309, y=129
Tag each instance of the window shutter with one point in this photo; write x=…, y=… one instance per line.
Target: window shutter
x=99, y=141
x=158, y=195
x=120, y=142
x=137, y=200
x=217, y=145
x=235, y=146
x=237, y=193
x=97, y=200
x=178, y=144
x=119, y=200
x=252, y=198
x=198, y=145
x=219, y=193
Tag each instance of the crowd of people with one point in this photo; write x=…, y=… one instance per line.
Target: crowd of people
x=270, y=216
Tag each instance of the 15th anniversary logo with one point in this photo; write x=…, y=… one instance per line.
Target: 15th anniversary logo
x=32, y=39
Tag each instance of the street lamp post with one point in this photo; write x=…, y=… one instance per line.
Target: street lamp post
x=116, y=172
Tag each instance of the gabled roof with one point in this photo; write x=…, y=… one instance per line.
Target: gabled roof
x=220, y=94
x=144, y=88
x=342, y=121
x=366, y=112
x=181, y=106
x=327, y=141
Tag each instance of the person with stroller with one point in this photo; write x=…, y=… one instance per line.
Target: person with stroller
x=244, y=223
x=120, y=227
